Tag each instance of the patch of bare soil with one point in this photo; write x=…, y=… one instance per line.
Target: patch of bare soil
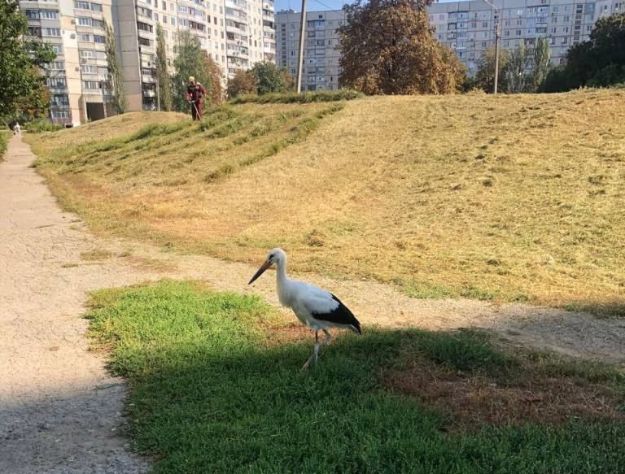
x=475, y=401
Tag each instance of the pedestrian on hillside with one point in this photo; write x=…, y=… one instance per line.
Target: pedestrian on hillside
x=195, y=96
x=17, y=129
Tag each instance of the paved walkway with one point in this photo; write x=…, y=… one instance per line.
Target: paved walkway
x=59, y=409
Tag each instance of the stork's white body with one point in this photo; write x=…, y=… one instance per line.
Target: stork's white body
x=314, y=307
x=305, y=299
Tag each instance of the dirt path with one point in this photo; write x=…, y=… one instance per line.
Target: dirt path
x=59, y=409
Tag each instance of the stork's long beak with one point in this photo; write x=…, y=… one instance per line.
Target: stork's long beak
x=260, y=271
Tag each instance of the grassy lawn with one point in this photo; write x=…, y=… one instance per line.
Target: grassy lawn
x=509, y=198
x=216, y=386
x=5, y=135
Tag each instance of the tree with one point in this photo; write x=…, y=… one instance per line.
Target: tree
x=485, y=75
x=162, y=73
x=216, y=92
x=600, y=61
x=192, y=60
x=243, y=82
x=540, y=63
x=269, y=78
x=22, y=60
x=115, y=77
x=516, y=69
x=387, y=47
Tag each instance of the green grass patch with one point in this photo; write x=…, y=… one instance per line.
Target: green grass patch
x=216, y=387
x=42, y=125
x=294, y=98
x=4, y=139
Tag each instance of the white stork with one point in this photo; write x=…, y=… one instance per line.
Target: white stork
x=316, y=308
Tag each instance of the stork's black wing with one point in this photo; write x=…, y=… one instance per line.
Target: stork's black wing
x=340, y=315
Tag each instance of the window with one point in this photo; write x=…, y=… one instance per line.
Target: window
x=49, y=14
x=87, y=53
x=97, y=24
x=59, y=100
x=144, y=41
x=99, y=39
x=84, y=21
x=57, y=48
x=84, y=37
x=32, y=14
x=34, y=31
x=144, y=27
x=91, y=85
x=56, y=82
x=88, y=69
x=56, y=66
x=51, y=31
x=96, y=7
x=82, y=5
x=59, y=114
x=145, y=12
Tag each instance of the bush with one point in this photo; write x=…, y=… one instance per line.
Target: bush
x=42, y=125
x=4, y=138
x=292, y=98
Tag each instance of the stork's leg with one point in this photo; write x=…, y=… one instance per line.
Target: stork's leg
x=328, y=338
x=315, y=355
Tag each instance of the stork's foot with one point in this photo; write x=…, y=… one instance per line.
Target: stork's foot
x=313, y=358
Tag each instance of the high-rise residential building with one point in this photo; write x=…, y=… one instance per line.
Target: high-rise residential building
x=321, y=56
x=233, y=32
x=236, y=33
x=77, y=78
x=467, y=27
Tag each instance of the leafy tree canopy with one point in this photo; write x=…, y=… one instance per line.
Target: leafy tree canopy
x=242, y=83
x=192, y=60
x=22, y=61
x=598, y=62
x=270, y=78
x=387, y=47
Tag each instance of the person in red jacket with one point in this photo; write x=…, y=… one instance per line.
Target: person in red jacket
x=195, y=96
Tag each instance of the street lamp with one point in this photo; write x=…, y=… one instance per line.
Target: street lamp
x=497, y=35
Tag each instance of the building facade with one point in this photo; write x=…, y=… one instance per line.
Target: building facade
x=321, y=56
x=467, y=27
x=236, y=33
x=77, y=78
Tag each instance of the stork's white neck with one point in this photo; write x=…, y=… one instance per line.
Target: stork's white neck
x=281, y=277
x=283, y=281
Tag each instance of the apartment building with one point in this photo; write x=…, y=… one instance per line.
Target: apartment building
x=321, y=56
x=77, y=78
x=467, y=27
x=236, y=33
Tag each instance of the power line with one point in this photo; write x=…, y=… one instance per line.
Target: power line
x=324, y=4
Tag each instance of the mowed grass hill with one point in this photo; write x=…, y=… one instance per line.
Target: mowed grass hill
x=509, y=198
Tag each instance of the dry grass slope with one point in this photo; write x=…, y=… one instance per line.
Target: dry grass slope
x=506, y=198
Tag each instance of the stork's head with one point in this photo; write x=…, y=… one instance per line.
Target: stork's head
x=275, y=256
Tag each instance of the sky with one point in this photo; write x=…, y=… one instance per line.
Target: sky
x=313, y=5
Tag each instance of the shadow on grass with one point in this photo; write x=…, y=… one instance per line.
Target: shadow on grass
x=211, y=392
x=613, y=308
x=256, y=411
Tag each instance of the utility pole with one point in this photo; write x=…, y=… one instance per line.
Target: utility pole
x=497, y=36
x=300, y=58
